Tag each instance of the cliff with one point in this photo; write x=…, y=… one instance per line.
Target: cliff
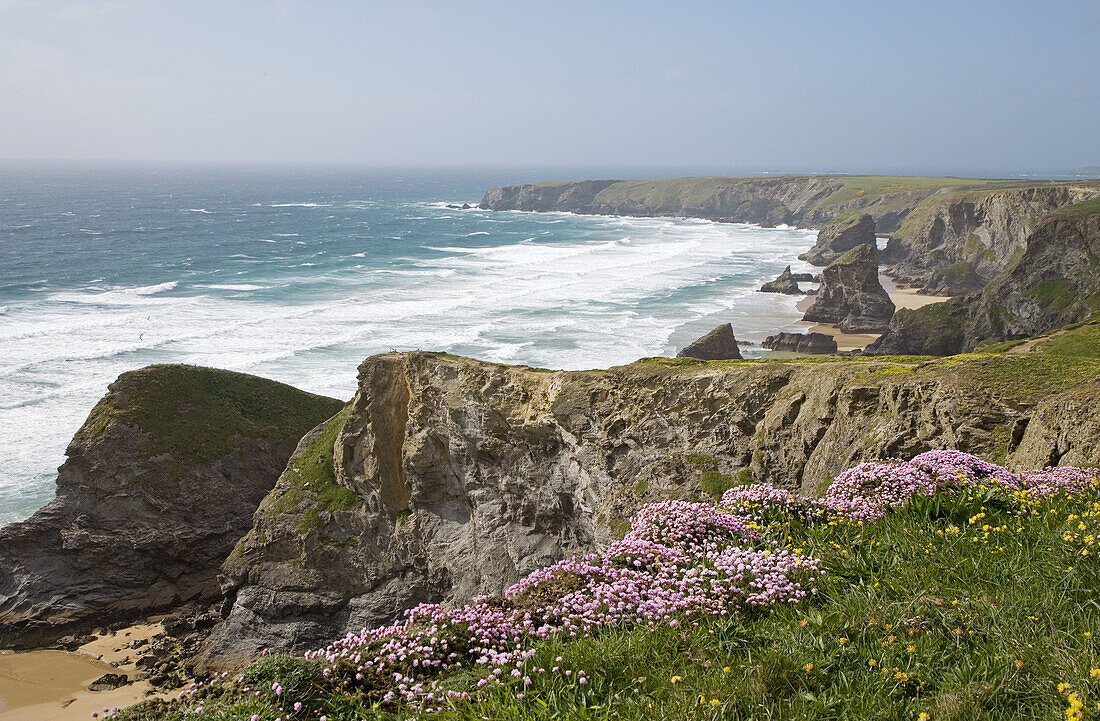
x=159, y=484
x=851, y=295
x=1052, y=282
x=448, y=477
x=954, y=243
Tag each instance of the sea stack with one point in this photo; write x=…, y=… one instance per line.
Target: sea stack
x=787, y=283
x=719, y=344
x=809, y=343
x=851, y=296
x=840, y=235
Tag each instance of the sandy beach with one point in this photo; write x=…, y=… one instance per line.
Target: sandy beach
x=51, y=685
x=903, y=297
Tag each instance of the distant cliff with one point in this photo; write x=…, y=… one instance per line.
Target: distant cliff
x=158, y=485
x=448, y=477
x=948, y=235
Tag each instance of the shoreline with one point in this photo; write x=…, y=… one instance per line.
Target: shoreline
x=52, y=685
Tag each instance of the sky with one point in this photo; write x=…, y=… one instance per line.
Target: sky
x=937, y=87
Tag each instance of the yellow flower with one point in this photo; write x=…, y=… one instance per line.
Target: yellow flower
x=923, y=716
x=808, y=667
x=1019, y=663
x=1095, y=673
x=911, y=648
x=677, y=679
x=725, y=669
x=714, y=702
x=871, y=662
x=843, y=641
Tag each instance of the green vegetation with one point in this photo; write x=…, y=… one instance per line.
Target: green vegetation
x=1088, y=207
x=972, y=606
x=196, y=415
x=314, y=473
x=1060, y=294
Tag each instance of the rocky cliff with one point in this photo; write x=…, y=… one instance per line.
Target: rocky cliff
x=954, y=243
x=448, y=477
x=840, y=235
x=158, y=485
x=1052, y=282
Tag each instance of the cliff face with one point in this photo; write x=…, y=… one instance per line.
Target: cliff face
x=955, y=243
x=159, y=484
x=448, y=477
x=1052, y=282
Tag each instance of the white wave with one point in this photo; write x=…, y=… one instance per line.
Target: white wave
x=300, y=205
x=478, y=232
x=198, y=210
x=230, y=286
x=286, y=235
x=90, y=232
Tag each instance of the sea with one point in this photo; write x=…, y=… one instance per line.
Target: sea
x=299, y=274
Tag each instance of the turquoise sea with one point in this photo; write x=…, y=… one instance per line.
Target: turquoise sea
x=298, y=275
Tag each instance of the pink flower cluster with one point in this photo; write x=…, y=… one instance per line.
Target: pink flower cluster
x=962, y=468
x=1059, y=481
x=866, y=491
x=679, y=563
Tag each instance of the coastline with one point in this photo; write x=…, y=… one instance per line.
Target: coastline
x=903, y=297
x=52, y=685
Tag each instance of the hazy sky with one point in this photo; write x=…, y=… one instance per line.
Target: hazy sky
x=811, y=86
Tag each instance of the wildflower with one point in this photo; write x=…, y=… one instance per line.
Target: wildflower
x=911, y=648
x=677, y=679
x=843, y=640
x=808, y=667
x=923, y=716
x=1094, y=673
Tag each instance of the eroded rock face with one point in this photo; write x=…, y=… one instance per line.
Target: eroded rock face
x=956, y=243
x=813, y=343
x=159, y=484
x=450, y=477
x=719, y=344
x=1053, y=283
x=851, y=296
x=838, y=236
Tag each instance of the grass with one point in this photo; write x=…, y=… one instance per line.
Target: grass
x=963, y=607
x=1088, y=207
x=196, y=415
x=313, y=473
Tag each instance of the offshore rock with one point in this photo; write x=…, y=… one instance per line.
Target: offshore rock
x=447, y=477
x=838, y=236
x=159, y=484
x=719, y=344
x=786, y=282
x=851, y=296
x=809, y=343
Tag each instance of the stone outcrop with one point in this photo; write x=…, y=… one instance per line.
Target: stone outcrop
x=1054, y=282
x=840, y=235
x=851, y=296
x=809, y=343
x=719, y=344
x=787, y=283
x=158, y=485
x=955, y=243
x=448, y=477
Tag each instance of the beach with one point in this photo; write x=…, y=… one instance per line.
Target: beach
x=52, y=685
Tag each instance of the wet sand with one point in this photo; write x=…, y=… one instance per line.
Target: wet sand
x=903, y=297
x=53, y=685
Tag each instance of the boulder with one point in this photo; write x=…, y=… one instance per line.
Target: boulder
x=786, y=283
x=719, y=344
x=851, y=296
x=810, y=343
x=838, y=236
x=159, y=484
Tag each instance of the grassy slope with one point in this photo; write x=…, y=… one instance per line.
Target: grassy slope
x=932, y=610
x=174, y=405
